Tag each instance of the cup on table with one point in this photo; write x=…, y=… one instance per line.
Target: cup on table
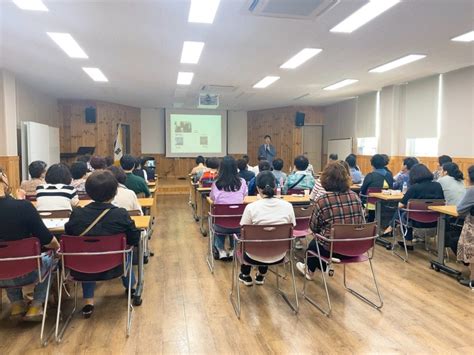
x=306, y=192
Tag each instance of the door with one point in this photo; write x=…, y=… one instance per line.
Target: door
x=313, y=145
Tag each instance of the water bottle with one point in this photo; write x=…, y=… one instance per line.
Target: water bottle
x=279, y=186
x=405, y=187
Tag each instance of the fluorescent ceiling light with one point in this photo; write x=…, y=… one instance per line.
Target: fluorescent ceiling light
x=397, y=63
x=341, y=84
x=185, y=78
x=34, y=5
x=366, y=13
x=191, y=52
x=266, y=81
x=96, y=74
x=467, y=37
x=68, y=44
x=203, y=11
x=299, y=58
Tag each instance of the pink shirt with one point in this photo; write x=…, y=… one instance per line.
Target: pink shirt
x=228, y=197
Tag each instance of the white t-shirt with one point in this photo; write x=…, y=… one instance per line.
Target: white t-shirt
x=268, y=211
x=127, y=199
x=56, y=197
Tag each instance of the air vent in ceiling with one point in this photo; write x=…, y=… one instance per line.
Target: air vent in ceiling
x=218, y=89
x=294, y=9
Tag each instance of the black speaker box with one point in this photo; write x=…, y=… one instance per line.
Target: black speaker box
x=299, y=119
x=91, y=114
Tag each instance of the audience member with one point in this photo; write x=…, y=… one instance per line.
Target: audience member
x=124, y=198
x=98, y=163
x=244, y=173
x=199, y=165
x=356, y=174
x=133, y=182
x=280, y=176
x=443, y=159
x=403, y=177
x=255, y=169
x=79, y=176
x=101, y=218
x=210, y=174
x=109, y=161
x=333, y=157
x=452, y=182
x=57, y=193
x=263, y=165
x=86, y=159
x=300, y=179
x=139, y=169
x=37, y=170
x=267, y=210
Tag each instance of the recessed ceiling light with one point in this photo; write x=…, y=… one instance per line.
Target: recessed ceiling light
x=397, y=63
x=185, y=78
x=467, y=37
x=203, y=11
x=366, y=13
x=96, y=74
x=341, y=84
x=266, y=81
x=191, y=52
x=299, y=58
x=68, y=44
x=34, y=5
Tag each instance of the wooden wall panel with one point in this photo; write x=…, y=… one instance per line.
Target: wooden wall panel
x=280, y=124
x=396, y=163
x=75, y=132
x=11, y=166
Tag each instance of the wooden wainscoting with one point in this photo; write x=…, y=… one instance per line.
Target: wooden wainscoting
x=396, y=163
x=11, y=166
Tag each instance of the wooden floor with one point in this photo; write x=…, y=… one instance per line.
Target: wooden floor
x=187, y=310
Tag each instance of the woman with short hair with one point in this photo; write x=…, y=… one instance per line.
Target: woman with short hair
x=57, y=194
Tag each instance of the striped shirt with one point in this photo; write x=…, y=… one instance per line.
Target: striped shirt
x=336, y=207
x=55, y=197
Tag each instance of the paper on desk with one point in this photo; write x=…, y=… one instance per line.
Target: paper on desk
x=51, y=223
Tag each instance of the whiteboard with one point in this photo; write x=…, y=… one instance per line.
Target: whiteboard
x=341, y=147
x=38, y=142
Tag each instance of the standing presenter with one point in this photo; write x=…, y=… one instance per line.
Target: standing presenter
x=267, y=150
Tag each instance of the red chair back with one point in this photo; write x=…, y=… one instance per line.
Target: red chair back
x=18, y=249
x=362, y=238
x=30, y=197
x=83, y=196
x=372, y=190
x=273, y=240
x=227, y=216
x=421, y=213
x=93, y=264
x=303, y=216
x=295, y=192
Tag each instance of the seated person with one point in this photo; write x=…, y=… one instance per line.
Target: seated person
x=356, y=174
x=86, y=159
x=20, y=220
x=378, y=178
x=140, y=170
x=101, y=186
x=135, y=183
x=209, y=175
x=98, y=163
x=299, y=179
x=452, y=182
x=199, y=165
x=79, y=176
x=229, y=188
x=422, y=187
x=148, y=164
x=37, y=170
x=57, y=194
x=247, y=160
x=463, y=246
x=387, y=161
x=124, y=198
x=443, y=159
x=244, y=173
x=268, y=210
x=333, y=157
x=339, y=205
x=255, y=169
x=109, y=161
x=263, y=165
x=403, y=177
x=280, y=176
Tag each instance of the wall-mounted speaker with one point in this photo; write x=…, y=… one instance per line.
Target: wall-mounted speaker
x=299, y=119
x=91, y=114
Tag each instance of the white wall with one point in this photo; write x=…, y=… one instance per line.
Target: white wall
x=35, y=106
x=339, y=121
x=8, y=114
x=153, y=131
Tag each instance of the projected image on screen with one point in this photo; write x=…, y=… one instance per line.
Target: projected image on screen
x=195, y=134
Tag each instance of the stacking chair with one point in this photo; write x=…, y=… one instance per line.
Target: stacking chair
x=30, y=198
x=416, y=211
x=357, y=243
x=303, y=217
x=83, y=196
x=225, y=216
x=295, y=192
x=20, y=258
x=263, y=242
x=92, y=255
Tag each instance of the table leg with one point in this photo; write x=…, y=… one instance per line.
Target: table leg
x=378, y=220
x=201, y=224
x=137, y=299
x=439, y=264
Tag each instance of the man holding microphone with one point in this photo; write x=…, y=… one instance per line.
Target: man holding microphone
x=267, y=150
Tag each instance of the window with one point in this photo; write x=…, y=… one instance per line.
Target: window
x=422, y=147
x=367, y=146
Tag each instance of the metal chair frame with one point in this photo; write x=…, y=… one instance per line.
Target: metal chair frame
x=329, y=262
x=235, y=274
x=64, y=276
x=41, y=278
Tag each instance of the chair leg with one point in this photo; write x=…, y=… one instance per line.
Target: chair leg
x=403, y=233
x=295, y=306
x=236, y=285
x=326, y=312
x=360, y=296
x=44, y=341
x=60, y=334
x=210, y=257
x=129, y=296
